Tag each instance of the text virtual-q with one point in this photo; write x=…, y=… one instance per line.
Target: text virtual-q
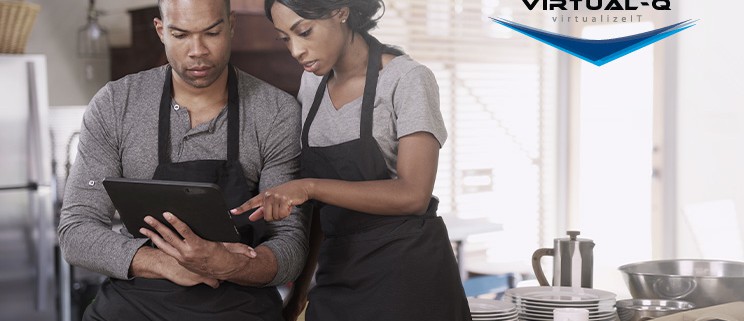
x=597, y=4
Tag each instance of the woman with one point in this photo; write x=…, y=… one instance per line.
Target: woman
x=370, y=145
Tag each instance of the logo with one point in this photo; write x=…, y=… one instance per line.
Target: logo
x=597, y=4
x=597, y=52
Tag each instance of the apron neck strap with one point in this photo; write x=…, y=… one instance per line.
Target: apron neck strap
x=233, y=117
x=374, y=62
x=164, y=119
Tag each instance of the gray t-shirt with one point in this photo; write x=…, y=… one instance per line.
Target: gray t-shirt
x=119, y=138
x=407, y=101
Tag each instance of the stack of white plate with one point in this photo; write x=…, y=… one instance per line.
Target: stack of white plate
x=536, y=303
x=492, y=310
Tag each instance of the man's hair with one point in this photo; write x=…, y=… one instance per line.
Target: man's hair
x=160, y=7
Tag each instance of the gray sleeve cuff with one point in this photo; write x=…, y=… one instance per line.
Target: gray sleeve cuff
x=289, y=244
x=131, y=249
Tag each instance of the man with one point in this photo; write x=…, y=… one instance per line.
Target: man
x=195, y=119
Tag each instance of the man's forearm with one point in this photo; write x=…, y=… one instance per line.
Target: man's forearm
x=145, y=263
x=152, y=263
x=259, y=271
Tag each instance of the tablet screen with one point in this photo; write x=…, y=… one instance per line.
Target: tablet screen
x=199, y=205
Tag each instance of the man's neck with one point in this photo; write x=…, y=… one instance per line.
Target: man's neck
x=202, y=104
x=201, y=100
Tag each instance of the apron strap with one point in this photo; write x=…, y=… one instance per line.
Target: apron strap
x=233, y=117
x=314, y=108
x=164, y=119
x=374, y=62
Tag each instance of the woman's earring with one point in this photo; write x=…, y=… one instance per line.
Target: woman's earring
x=343, y=21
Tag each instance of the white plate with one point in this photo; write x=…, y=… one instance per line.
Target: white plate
x=529, y=318
x=489, y=306
x=550, y=313
x=603, y=306
x=553, y=305
x=602, y=316
x=547, y=308
x=496, y=315
x=554, y=294
x=495, y=319
x=608, y=307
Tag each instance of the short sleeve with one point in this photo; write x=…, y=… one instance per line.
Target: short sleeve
x=416, y=104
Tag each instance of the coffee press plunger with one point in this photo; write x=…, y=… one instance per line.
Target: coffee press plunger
x=573, y=260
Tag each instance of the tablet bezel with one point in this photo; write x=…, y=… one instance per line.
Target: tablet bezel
x=200, y=205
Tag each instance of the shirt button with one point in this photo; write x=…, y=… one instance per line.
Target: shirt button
x=176, y=107
x=91, y=183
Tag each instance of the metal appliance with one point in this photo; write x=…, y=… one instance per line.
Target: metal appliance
x=573, y=262
x=27, y=191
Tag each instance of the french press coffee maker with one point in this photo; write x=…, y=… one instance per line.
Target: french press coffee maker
x=573, y=261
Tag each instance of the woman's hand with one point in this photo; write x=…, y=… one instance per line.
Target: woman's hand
x=277, y=202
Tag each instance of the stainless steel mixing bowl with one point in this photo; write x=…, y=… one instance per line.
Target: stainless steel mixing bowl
x=701, y=282
x=641, y=310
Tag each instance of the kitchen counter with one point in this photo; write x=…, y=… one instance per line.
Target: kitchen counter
x=459, y=230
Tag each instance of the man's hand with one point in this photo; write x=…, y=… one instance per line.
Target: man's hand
x=209, y=259
x=154, y=264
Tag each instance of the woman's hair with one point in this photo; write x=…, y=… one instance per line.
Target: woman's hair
x=362, y=13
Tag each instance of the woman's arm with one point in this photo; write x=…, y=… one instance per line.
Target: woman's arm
x=418, y=155
x=409, y=194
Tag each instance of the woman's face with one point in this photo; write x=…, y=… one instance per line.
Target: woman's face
x=316, y=44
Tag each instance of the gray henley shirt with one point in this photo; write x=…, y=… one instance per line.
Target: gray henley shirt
x=119, y=138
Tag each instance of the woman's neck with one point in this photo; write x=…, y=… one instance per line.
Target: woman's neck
x=353, y=60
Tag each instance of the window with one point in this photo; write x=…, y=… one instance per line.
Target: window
x=615, y=130
x=498, y=93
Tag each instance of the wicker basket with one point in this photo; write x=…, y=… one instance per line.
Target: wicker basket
x=16, y=20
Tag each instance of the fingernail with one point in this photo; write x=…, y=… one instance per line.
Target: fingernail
x=252, y=254
x=168, y=216
x=148, y=220
x=142, y=231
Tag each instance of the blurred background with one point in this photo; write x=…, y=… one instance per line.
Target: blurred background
x=639, y=155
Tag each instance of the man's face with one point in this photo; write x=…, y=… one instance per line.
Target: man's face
x=197, y=36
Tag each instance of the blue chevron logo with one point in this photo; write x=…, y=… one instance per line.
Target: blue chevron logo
x=598, y=52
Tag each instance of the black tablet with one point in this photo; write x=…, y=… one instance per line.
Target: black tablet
x=199, y=205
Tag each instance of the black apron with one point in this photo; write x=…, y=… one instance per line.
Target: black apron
x=376, y=267
x=159, y=299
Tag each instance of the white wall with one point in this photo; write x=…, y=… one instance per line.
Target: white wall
x=55, y=35
x=710, y=116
